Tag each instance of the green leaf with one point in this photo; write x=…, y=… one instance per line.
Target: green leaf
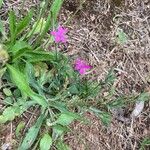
x=20, y=45
x=30, y=75
x=32, y=134
x=110, y=78
x=144, y=96
x=19, y=49
x=62, y=146
x=55, y=8
x=24, y=23
x=38, y=27
x=121, y=37
x=17, y=109
x=39, y=56
x=9, y=113
x=104, y=116
x=18, y=78
x=2, y=119
x=120, y=102
x=20, y=126
x=46, y=142
x=12, y=26
x=8, y=101
x=67, y=118
x=59, y=130
x=7, y=92
x=145, y=143
x=39, y=99
x=20, y=81
x=1, y=27
x=1, y=2
x=51, y=19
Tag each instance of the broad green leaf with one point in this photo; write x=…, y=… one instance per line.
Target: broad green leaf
x=59, y=106
x=24, y=23
x=8, y=101
x=9, y=113
x=46, y=142
x=66, y=118
x=39, y=99
x=19, y=49
x=17, y=109
x=12, y=26
x=32, y=134
x=20, y=126
x=38, y=56
x=20, y=81
x=121, y=36
x=20, y=45
x=7, y=92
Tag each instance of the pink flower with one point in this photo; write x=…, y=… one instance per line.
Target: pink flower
x=59, y=34
x=81, y=66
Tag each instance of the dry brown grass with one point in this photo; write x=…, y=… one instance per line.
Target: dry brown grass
x=93, y=36
x=118, y=136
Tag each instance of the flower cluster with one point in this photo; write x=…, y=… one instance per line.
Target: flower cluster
x=82, y=66
x=60, y=36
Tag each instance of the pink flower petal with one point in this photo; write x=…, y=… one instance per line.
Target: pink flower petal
x=81, y=66
x=59, y=34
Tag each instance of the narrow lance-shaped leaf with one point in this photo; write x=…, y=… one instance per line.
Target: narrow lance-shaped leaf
x=24, y=23
x=1, y=1
x=38, y=56
x=12, y=26
x=32, y=134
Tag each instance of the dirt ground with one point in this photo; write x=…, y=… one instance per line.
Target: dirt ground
x=93, y=36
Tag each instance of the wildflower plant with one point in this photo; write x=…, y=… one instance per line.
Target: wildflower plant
x=36, y=79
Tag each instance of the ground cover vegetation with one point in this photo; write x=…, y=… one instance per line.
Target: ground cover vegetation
x=44, y=91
